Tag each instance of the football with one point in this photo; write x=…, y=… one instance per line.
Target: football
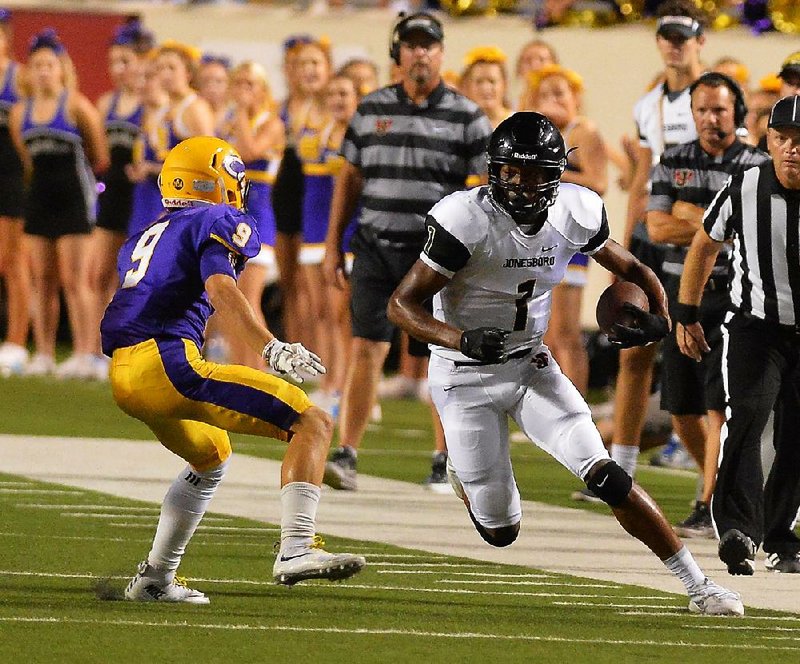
x=609, y=310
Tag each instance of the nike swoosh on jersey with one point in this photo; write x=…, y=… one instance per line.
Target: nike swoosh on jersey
x=549, y=248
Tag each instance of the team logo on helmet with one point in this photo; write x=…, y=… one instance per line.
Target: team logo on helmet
x=178, y=183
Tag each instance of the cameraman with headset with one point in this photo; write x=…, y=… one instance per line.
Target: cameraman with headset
x=683, y=185
x=408, y=146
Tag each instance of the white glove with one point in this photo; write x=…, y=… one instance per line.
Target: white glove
x=291, y=359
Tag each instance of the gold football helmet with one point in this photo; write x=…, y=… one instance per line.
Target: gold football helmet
x=203, y=170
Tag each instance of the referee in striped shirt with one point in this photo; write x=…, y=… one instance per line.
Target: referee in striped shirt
x=684, y=183
x=408, y=146
x=759, y=211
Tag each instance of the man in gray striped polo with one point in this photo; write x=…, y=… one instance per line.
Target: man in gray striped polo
x=759, y=211
x=407, y=146
x=684, y=183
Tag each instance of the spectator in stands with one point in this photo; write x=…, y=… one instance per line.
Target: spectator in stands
x=556, y=92
x=485, y=81
x=59, y=136
x=363, y=72
x=213, y=86
x=257, y=133
x=149, y=151
x=534, y=55
x=13, y=256
x=121, y=110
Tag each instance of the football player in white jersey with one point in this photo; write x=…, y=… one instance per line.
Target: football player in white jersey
x=493, y=255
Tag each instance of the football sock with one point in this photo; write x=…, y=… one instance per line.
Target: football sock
x=181, y=512
x=299, y=501
x=683, y=565
x=625, y=456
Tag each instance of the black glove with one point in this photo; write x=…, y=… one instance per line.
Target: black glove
x=648, y=329
x=486, y=344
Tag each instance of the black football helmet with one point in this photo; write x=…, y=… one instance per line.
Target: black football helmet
x=531, y=142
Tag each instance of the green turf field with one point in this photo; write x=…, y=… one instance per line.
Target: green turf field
x=66, y=554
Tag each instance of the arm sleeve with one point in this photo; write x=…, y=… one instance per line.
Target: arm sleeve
x=443, y=251
x=351, y=144
x=215, y=258
x=597, y=242
x=237, y=232
x=477, y=136
x=662, y=193
x=716, y=220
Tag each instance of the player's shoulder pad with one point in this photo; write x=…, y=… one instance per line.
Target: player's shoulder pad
x=233, y=228
x=463, y=214
x=577, y=214
x=647, y=101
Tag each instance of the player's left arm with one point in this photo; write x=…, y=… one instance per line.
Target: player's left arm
x=621, y=262
x=406, y=308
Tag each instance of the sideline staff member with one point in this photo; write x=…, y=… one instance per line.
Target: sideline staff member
x=407, y=146
x=760, y=210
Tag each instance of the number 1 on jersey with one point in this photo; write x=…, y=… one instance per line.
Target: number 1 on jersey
x=525, y=290
x=143, y=252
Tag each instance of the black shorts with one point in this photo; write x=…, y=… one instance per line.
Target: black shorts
x=379, y=265
x=12, y=186
x=114, y=206
x=56, y=221
x=689, y=387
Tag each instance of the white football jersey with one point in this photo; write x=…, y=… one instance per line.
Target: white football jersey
x=664, y=119
x=499, y=276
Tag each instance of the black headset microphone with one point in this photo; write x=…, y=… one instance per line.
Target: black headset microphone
x=722, y=135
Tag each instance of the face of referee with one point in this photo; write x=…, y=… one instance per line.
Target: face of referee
x=784, y=146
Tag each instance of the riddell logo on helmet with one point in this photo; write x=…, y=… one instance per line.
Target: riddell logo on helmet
x=524, y=155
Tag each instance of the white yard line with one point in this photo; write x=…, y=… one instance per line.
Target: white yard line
x=394, y=632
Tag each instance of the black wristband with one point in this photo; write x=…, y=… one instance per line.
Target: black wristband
x=686, y=314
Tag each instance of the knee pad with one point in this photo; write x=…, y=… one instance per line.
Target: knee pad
x=203, y=485
x=611, y=484
x=502, y=536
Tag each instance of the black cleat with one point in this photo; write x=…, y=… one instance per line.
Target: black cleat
x=738, y=552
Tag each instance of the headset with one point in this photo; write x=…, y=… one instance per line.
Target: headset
x=402, y=20
x=715, y=79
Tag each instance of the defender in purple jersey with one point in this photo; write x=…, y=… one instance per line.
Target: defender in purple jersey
x=173, y=275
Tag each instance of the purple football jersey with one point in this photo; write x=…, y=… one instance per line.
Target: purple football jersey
x=162, y=291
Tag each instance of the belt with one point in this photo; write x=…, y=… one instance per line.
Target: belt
x=514, y=356
x=394, y=237
x=769, y=325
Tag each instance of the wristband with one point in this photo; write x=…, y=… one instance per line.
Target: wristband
x=686, y=314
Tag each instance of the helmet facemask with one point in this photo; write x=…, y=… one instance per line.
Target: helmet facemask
x=524, y=191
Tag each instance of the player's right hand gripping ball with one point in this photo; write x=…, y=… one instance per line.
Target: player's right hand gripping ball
x=487, y=344
x=292, y=360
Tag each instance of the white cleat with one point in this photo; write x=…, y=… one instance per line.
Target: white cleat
x=714, y=600
x=40, y=365
x=146, y=587
x=13, y=359
x=316, y=563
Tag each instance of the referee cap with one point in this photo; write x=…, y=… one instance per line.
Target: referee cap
x=786, y=112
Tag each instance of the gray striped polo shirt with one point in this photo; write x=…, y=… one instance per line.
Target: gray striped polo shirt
x=411, y=156
x=688, y=173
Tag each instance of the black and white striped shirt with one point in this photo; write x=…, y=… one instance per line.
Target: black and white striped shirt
x=763, y=219
x=411, y=156
x=688, y=173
